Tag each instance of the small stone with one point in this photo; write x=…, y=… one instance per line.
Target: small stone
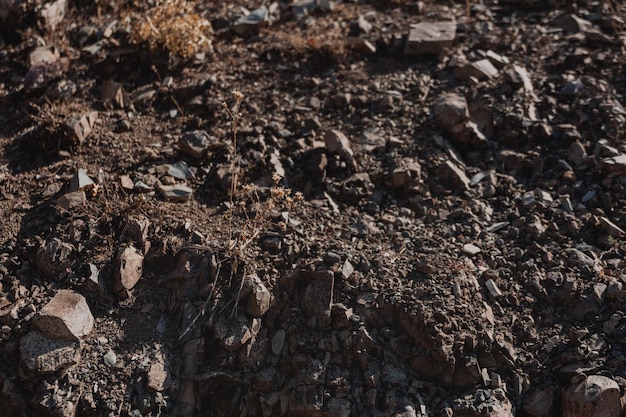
x=252, y=22
x=347, y=269
x=493, y=288
x=451, y=110
x=128, y=269
x=372, y=141
x=408, y=172
x=430, y=38
x=471, y=249
x=176, y=192
x=195, y=143
x=69, y=201
x=41, y=354
x=278, y=341
x=81, y=181
x=233, y=333
x=127, y=183
x=110, y=358
x=66, y=316
x=614, y=165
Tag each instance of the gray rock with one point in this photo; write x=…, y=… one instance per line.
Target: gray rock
x=180, y=170
x=110, y=358
x=41, y=354
x=67, y=317
x=81, y=181
x=540, y=403
x=278, y=341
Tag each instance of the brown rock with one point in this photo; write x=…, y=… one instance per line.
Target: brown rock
x=67, y=317
x=69, y=201
x=259, y=298
x=159, y=375
x=338, y=143
x=451, y=110
x=452, y=176
x=80, y=126
x=592, y=396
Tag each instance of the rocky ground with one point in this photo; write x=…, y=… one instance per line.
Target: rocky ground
x=317, y=208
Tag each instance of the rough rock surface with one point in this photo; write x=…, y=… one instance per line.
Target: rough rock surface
x=315, y=208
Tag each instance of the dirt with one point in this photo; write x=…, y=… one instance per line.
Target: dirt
x=358, y=231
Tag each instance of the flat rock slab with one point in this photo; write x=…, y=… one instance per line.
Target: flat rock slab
x=430, y=38
x=128, y=269
x=41, y=354
x=176, y=192
x=66, y=317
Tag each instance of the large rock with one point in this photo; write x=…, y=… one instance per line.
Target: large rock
x=40, y=354
x=592, y=396
x=65, y=317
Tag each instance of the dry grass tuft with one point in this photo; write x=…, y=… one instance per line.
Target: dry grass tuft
x=173, y=25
